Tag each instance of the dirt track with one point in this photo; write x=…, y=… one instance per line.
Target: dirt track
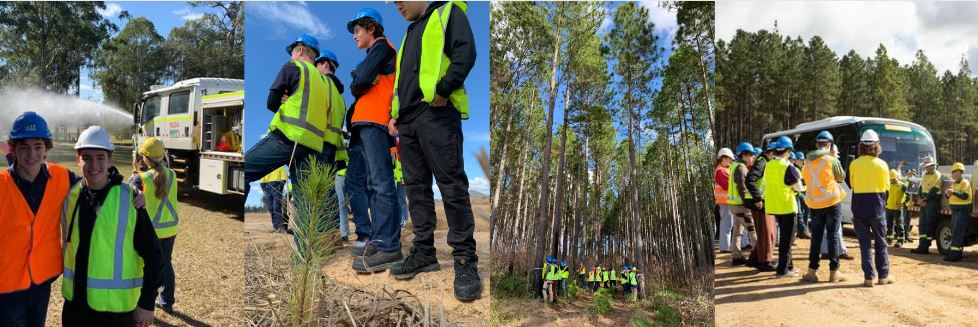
x=436, y=287
x=928, y=292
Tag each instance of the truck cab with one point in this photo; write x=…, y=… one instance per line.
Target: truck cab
x=191, y=117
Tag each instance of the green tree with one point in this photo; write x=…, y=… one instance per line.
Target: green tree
x=130, y=62
x=210, y=46
x=822, y=79
x=45, y=44
x=888, y=87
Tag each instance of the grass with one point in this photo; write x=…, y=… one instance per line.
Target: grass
x=505, y=286
x=603, y=302
x=501, y=317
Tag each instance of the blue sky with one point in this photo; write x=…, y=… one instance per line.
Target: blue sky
x=164, y=15
x=271, y=26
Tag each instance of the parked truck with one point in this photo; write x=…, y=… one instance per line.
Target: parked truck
x=902, y=141
x=200, y=122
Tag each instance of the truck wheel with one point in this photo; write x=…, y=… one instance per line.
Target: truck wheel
x=944, y=234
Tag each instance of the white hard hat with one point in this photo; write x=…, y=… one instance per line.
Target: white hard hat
x=725, y=152
x=869, y=137
x=928, y=160
x=94, y=137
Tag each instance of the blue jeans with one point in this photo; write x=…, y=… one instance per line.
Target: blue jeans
x=27, y=307
x=344, y=207
x=841, y=248
x=169, y=277
x=894, y=225
x=871, y=232
x=804, y=215
x=402, y=203
x=826, y=222
x=370, y=176
x=272, y=152
x=726, y=229
x=273, y=201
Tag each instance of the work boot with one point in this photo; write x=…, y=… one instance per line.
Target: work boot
x=835, y=277
x=376, y=262
x=414, y=264
x=811, y=276
x=468, y=286
x=846, y=256
x=953, y=256
x=766, y=267
x=868, y=283
x=920, y=250
x=362, y=248
x=738, y=262
x=886, y=281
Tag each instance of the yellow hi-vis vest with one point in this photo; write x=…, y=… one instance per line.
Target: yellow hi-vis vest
x=822, y=191
x=582, y=271
x=869, y=174
x=544, y=270
x=336, y=113
x=894, y=197
x=434, y=62
x=115, y=270
x=624, y=277
x=733, y=196
x=632, y=280
x=300, y=118
x=963, y=186
x=930, y=181
x=604, y=276
x=163, y=211
x=277, y=175
x=591, y=275
x=564, y=272
x=779, y=199
x=614, y=275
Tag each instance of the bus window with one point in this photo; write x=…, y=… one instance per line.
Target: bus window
x=179, y=103
x=151, y=109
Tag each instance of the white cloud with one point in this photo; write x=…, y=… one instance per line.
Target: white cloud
x=665, y=20
x=192, y=16
x=111, y=10
x=479, y=184
x=295, y=15
x=187, y=13
x=945, y=31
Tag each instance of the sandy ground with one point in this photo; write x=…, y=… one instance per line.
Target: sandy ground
x=928, y=292
x=434, y=287
x=208, y=257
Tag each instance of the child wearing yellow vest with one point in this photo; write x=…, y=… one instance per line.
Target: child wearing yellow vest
x=895, y=198
x=160, y=188
x=960, y=198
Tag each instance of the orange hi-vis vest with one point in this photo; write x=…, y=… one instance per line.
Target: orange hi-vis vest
x=719, y=191
x=375, y=105
x=822, y=191
x=30, y=245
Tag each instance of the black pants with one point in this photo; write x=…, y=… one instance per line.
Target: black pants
x=82, y=315
x=431, y=145
x=27, y=307
x=169, y=277
x=786, y=224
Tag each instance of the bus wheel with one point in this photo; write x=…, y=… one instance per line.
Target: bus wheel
x=944, y=234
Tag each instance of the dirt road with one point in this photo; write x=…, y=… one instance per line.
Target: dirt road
x=435, y=287
x=928, y=292
x=533, y=312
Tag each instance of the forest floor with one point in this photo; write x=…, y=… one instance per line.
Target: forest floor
x=928, y=291
x=663, y=309
x=435, y=289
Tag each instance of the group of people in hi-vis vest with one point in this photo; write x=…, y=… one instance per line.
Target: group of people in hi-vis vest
x=555, y=274
x=416, y=111
x=783, y=186
x=110, y=240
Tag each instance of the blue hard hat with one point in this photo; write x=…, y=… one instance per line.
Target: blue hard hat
x=744, y=147
x=304, y=39
x=328, y=55
x=771, y=145
x=30, y=125
x=800, y=155
x=824, y=136
x=785, y=143
x=364, y=13
x=563, y=262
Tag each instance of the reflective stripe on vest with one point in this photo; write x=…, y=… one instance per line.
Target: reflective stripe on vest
x=779, y=199
x=822, y=190
x=295, y=119
x=374, y=106
x=115, y=270
x=30, y=244
x=335, y=115
x=434, y=62
x=719, y=192
x=166, y=222
x=632, y=280
x=733, y=195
